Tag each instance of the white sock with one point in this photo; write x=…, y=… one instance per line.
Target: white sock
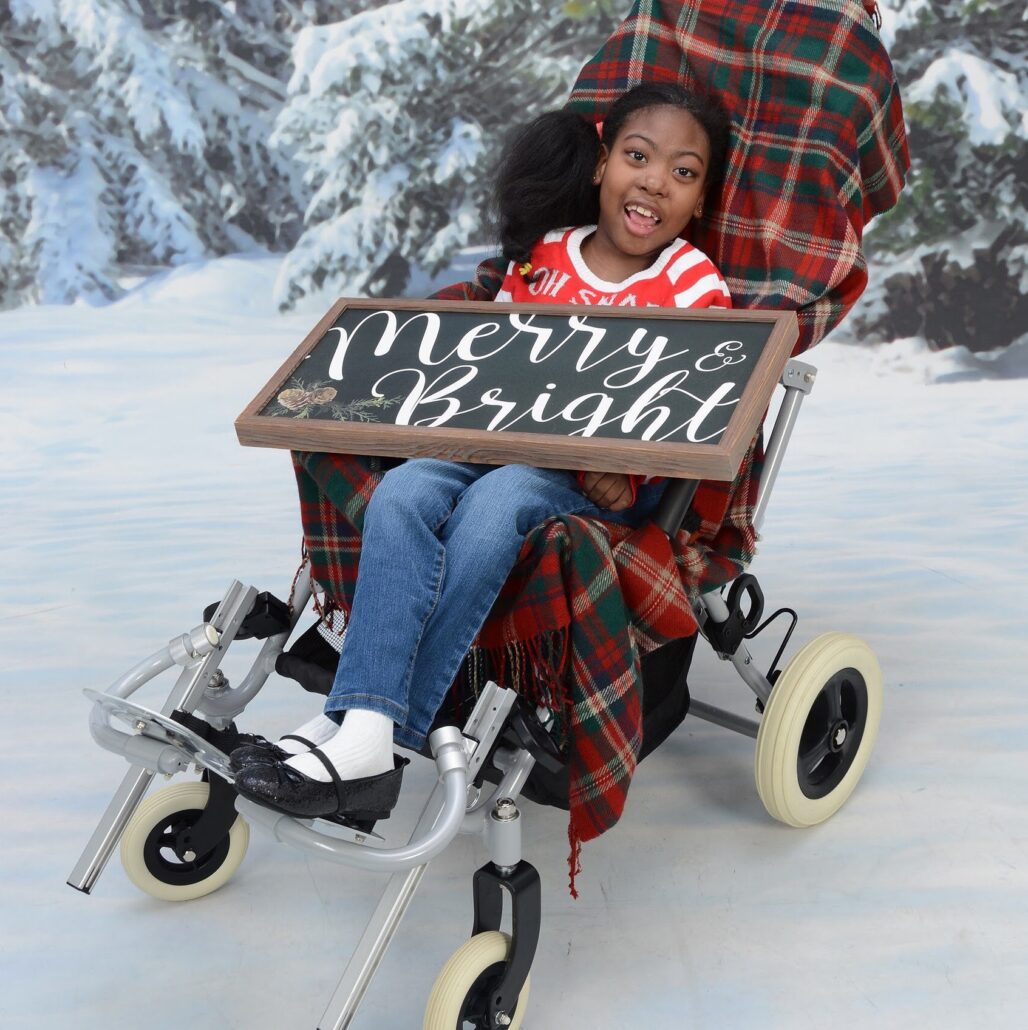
x=318, y=730
x=362, y=747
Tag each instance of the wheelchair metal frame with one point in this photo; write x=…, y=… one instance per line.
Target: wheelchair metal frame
x=454, y=806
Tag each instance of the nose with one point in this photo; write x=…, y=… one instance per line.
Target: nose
x=654, y=179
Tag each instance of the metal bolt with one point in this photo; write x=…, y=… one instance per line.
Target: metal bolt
x=506, y=809
x=840, y=736
x=809, y=377
x=502, y=1019
x=140, y=725
x=189, y=856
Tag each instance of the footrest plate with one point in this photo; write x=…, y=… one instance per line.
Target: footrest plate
x=149, y=723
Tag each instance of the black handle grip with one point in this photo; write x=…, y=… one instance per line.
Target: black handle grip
x=747, y=584
x=674, y=505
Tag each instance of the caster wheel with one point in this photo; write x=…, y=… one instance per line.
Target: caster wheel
x=460, y=996
x=148, y=853
x=818, y=729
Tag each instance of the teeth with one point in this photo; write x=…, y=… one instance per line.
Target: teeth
x=644, y=211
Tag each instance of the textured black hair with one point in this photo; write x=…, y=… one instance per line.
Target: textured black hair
x=545, y=179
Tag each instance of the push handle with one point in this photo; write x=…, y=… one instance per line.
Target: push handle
x=674, y=505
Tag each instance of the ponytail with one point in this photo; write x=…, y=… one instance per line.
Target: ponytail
x=545, y=181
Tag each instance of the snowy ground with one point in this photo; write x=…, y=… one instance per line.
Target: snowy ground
x=126, y=505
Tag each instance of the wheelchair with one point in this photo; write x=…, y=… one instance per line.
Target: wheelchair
x=817, y=722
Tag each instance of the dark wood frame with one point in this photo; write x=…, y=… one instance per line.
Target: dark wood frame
x=682, y=460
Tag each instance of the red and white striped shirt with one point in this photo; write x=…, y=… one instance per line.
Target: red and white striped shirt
x=681, y=277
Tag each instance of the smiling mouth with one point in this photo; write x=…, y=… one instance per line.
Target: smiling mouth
x=641, y=219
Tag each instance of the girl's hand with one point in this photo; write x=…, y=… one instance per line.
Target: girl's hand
x=610, y=490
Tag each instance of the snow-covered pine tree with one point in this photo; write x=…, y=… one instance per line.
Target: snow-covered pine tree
x=133, y=134
x=398, y=115
x=950, y=262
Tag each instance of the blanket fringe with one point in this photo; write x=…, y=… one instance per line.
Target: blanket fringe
x=536, y=668
x=304, y=562
x=327, y=608
x=574, y=859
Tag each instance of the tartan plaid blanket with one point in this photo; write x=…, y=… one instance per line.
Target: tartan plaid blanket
x=819, y=146
x=818, y=149
x=586, y=599
x=818, y=142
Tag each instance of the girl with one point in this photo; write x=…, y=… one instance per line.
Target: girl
x=583, y=220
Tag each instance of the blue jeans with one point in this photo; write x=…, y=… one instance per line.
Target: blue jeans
x=439, y=540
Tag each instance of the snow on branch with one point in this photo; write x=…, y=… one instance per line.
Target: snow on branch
x=159, y=114
x=427, y=86
x=990, y=99
x=70, y=234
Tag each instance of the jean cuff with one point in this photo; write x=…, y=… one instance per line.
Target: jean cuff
x=405, y=736
x=370, y=703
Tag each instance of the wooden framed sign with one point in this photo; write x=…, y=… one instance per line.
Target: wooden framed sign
x=660, y=391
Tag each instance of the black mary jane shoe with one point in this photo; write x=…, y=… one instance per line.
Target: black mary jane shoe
x=287, y=790
x=257, y=750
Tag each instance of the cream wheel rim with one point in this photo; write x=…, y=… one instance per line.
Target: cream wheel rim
x=148, y=856
x=447, y=1004
x=818, y=729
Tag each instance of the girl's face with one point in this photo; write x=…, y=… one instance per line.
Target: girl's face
x=652, y=183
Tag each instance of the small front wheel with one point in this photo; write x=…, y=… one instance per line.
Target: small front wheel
x=818, y=729
x=460, y=996
x=148, y=846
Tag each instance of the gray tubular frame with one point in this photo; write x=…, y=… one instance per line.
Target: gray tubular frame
x=798, y=379
x=200, y=687
x=480, y=732
x=454, y=805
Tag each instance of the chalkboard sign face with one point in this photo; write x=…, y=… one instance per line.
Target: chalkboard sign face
x=660, y=391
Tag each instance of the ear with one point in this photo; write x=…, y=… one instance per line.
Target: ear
x=698, y=213
x=601, y=165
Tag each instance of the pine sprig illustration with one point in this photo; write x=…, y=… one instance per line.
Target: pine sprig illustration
x=299, y=399
x=367, y=410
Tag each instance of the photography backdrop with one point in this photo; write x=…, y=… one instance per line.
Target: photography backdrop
x=160, y=171
x=358, y=140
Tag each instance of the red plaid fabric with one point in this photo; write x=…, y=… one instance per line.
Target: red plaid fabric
x=586, y=599
x=819, y=146
x=818, y=142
